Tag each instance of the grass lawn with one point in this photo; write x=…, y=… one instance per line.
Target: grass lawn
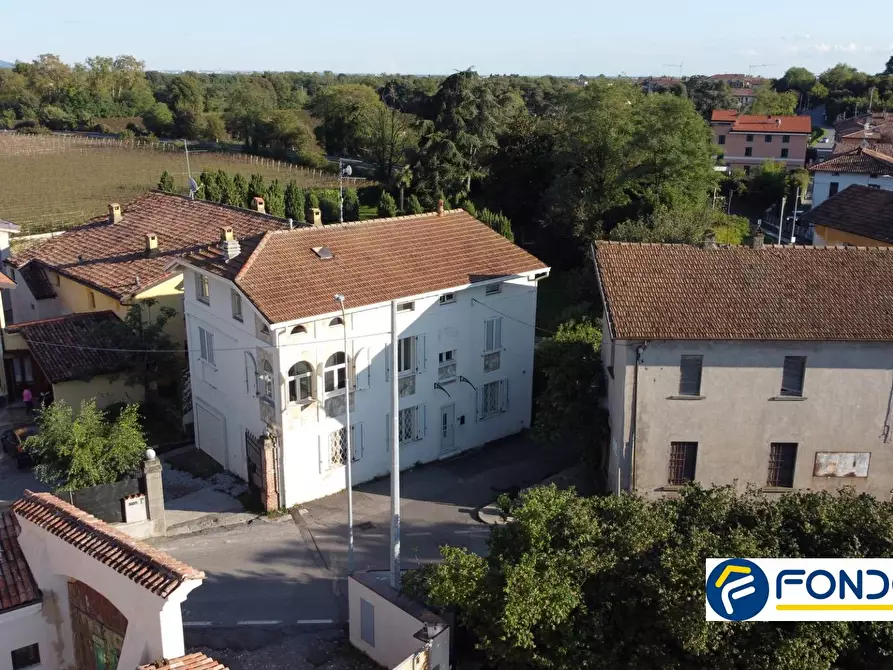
x=368, y=212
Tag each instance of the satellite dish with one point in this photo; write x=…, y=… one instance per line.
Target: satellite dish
x=347, y=171
x=193, y=187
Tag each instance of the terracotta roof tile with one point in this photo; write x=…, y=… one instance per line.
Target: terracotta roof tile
x=861, y=160
x=6, y=282
x=150, y=568
x=724, y=115
x=845, y=146
x=111, y=256
x=374, y=261
x=189, y=662
x=859, y=210
x=65, y=347
x=792, y=125
x=37, y=282
x=17, y=585
x=683, y=292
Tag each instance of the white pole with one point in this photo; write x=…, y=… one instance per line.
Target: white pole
x=784, y=199
x=348, y=474
x=341, y=191
x=395, y=455
x=186, y=146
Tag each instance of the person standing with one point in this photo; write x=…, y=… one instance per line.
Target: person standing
x=28, y=399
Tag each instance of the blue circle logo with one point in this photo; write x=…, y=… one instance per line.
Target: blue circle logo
x=737, y=589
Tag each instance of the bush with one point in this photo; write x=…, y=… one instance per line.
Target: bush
x=386, y=205
x=294, y=201
x=498, y=222
x=351, y=205
x=470, y=207
x=413, y=205
x=166, y=183
x=330, y=204
x=275, y=199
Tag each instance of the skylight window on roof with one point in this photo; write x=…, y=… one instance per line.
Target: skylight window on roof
x=323, y=252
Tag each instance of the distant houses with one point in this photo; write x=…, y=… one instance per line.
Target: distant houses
x=748, y=140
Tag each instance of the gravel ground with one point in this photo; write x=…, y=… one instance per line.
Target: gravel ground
x=178, y=483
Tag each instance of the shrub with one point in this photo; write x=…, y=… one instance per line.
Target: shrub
x=413, y=205
x=166, y=183
x=386, y=205
x=498, y=222
x=351, y=205
x=294, y=201
x=330, y=204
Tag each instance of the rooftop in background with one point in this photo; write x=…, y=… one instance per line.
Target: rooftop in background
x=860, y=210
x=17, y=585
x=789, y=125
x=724, y=115
x=189, y=662
x=64, y=347
x=855, y=126
x=862, y=160
x=374, y=261
x=684, y=292
x=112, y=257
x=845, y=146
x=150, y=568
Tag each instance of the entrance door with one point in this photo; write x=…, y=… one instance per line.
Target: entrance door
x=447, y=427
x=211, y=433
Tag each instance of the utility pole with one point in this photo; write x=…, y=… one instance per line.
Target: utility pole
x=339, y=298
x=784, y=199
x=395, y=454
x=794, y=224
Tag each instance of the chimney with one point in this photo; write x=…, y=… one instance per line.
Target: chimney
x=314, y=217
x=257, y=204
x=778, y=122
x=710, y=240
x=231, y=248
x=226, y=235
x=758, y=238
x=114, y=212
x=152, y=246
x=440, y=208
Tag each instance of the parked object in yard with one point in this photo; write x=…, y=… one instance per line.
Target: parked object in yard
x=13, y=441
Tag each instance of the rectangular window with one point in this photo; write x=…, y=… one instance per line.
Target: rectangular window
x=749, y=138
x=493, y=288
x=25, y=657
x=782, y=457
x=446, y=365
x=792, y=376
x=91, y=299
x=337, y=441
x=202, y=289
x=748, y=151
x=236, y=300
x=447, y=298
x=683, y=459
x=29, y=369
x=768, y=139
x=411, y=424
x=784, y=153
x=206, y=345
x=833, y=188
x=690, y=375
x=367, y=622
x=493, y=334
x=785, y=139
x=492, y=398
x=405, y=306
x=57, y=279
x=721, y=139
x=406, y=355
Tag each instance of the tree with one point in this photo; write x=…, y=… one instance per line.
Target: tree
x=707, y=94
x=239, y=196
x=617, y=582
x=414, y=206
x=275, y=199
x=249, y=106
x=351, y=205
x=770, y=103
x=76, y=452
x=403, y=180
x=159, y=119
x=214, y=128
x=294, y=201
x=798, y=79
x=166, y=183
x=345, y=112
x=768, y=182
x=226, y=189
x=386, y=205
x=888, y=69
x=256, y=188
x=390, y=135
x=683, y=225
x=209, y=187
x=498, y=222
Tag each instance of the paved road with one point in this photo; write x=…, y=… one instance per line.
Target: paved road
x=290, y=572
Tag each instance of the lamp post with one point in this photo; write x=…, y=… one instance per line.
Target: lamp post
x=339, y=298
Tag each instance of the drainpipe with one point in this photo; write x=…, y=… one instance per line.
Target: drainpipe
x=633, y=419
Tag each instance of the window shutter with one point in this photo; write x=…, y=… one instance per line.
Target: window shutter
x=387, y=432
x=421, y=360
x=361, y=369
x=210, y=337
x=490, y=336
x=504, y=395
x=498, y=333
x=387, y=362
x=356, y=441
x=423, y=421
x=792, y=375
x=323, y=447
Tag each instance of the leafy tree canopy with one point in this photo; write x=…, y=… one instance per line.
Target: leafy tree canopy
x=770, y=102
x=684, y=225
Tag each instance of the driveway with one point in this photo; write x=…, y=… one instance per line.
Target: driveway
x=292, y=573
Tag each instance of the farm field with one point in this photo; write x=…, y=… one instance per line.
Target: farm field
x=50, y=183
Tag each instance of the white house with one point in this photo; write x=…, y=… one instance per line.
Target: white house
x=863, y=166
x=267, y=355
x=76, y=593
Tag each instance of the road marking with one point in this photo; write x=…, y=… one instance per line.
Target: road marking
x=424, y=534
x=197, y=623
x=479, y=531
x=310, y=621
x=258, y=623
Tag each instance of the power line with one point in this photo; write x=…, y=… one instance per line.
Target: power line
x=507, y=316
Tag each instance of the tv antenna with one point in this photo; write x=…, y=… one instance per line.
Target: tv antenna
x=751, y=67
x=679, y=65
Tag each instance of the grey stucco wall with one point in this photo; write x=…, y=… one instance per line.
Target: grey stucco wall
x=846, y=408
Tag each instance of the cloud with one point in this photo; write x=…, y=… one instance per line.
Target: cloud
x=822, y=48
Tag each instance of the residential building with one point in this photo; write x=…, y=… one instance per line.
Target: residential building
x=76, y=593
x=269, y=356
x=736, y=365
x=6, y=229
x=745, y=97
x=874, y=128
x=858, y=215
x=748, y=140
x=62, y=356
x=114, y=261
x=862, y=165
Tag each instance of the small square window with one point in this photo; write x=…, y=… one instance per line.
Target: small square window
x=493, y=288
x=25, y=657
x=405, y=306
x=768, y=139
x=782, y=458
x=833, y=188
x=721, y=139
x=749, y=138
x=447, y=298
x=784, y=153
x=785, y=139
x=748, y=151
x=683, y=459
x=690, y=375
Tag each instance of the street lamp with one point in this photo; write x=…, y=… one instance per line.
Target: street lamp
x=339, y=298
x=342, y=173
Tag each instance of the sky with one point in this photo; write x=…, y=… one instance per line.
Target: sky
x=561, y=37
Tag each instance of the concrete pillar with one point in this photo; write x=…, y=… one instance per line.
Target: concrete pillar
x=270, y=494
x=154, y=493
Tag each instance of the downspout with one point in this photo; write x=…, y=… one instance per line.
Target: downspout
x=634, y=414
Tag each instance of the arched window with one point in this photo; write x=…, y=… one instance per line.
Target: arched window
x=337, y=321
x=335, y=373
x=297, y=330
x=300, y=382
x=250, y=375
x=268, y=381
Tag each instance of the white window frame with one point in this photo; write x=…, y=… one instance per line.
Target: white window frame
x=493, y=334
x=296, y=378
x=206, y=346
x=447, y=298
x=445, y=359
x=202, y=288
x=417, y=426
x=236, y=301
x=493, y=289
x=356, y=447
x=268, y=378
x=411, y=357
x=336, y=371
x=406, y=306
x=487, y=410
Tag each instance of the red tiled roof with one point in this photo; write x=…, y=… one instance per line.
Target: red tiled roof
x=111, y=256
x=723, y=116
x=743, y=92
x=861, y=161
x=6, y=282
x=65, y=347
x=790, y=125
x=684, y=292
x=374, y=261
x=860, y=210
x=845, y=146
x=150, y=568
x=189, y=662
x=37, y=282
x=17, y=586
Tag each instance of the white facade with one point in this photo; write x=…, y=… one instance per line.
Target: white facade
x=22, y=628
x=481, y=333
x=822, y=181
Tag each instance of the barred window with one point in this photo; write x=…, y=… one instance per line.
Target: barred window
x=337, y=442
x=782, y=457
x=683, y=459
x=492, y=398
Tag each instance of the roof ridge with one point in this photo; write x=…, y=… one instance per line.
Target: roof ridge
x=206, y=202
x=254, y=254
x=64, y=317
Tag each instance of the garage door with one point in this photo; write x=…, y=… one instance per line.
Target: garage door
x=211, y=433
